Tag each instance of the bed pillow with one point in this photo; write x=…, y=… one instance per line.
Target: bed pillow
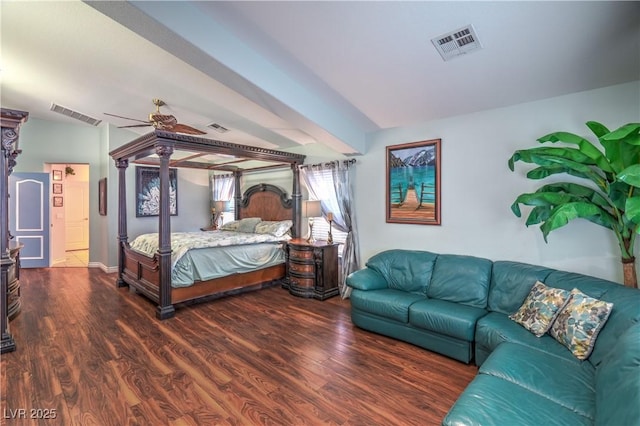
x=277, y=228
x=248, y=224
x=540, y=308
x=230, y=226
x=579, y=322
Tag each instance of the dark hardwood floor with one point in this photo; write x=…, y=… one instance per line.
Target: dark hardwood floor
x=92, y=354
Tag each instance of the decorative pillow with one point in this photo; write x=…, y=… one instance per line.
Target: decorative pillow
x=579, y=322
x=230, y=226
x=540, y=308
x=276, y=228
x=248, y=224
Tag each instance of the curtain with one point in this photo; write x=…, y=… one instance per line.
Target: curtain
x=331, y=183
x=222, y=189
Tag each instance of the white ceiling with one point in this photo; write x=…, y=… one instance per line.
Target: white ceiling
x=288, y=74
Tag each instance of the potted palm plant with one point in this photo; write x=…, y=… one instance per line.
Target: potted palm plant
x=610, y=197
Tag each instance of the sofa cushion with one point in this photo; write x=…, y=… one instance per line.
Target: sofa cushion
x=492, y=401
x=406, y=270
x=591, y=286
x=579, y=322
x=388, y=303
x=366, y=279
x=461, y=279
x=625, y=313
x=448, y=318
x=494, y=329
x=618, y=382
x=540, y=308
x=510, y=284
x=567, y=383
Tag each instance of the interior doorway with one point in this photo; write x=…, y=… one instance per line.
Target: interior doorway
x=69, y=230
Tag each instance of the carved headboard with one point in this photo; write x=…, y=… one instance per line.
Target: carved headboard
x=266, y=201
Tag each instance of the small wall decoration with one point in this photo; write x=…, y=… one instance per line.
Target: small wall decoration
x=57, y=202
x=148, y=191
x=57, y=188
x=57, y=174
x=413, y=183
x=102, y=196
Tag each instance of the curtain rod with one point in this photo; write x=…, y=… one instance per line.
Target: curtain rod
x=331, y=163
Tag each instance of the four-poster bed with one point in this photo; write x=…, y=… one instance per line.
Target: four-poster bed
x=151, y=276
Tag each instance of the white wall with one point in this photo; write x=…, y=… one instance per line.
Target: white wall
x=478, y=187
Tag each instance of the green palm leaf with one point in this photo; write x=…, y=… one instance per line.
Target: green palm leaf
x=632, y=210
x=561, y=215
x=584, y=145
x=630, y=175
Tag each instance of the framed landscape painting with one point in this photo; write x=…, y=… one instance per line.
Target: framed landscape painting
x=148, y=191
x=413, y=183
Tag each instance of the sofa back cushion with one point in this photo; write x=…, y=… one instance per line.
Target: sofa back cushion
x=511, y=283
x=625, y=312
x=461, y=279
x=406, y=270
x=618, y=382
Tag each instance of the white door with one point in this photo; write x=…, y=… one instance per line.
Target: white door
x=29, y=217
x=76, y=215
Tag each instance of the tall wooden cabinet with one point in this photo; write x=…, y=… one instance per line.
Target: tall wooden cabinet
x=10, y=121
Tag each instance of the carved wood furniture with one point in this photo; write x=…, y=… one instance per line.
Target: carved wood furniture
x=13, y=281
x=152, y=277
x=312, y=269
x=10, y=121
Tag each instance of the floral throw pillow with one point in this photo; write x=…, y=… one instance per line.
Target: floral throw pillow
x=540, y=308
x=579, y=322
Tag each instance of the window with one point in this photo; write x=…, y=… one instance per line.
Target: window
x=321, y=231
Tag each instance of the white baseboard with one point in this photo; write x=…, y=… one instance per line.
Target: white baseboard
x=105, y=269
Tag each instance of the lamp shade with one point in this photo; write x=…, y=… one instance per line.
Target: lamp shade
x=222, y=206
x=311, y=208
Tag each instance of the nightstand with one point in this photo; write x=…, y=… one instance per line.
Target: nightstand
x=312, y=269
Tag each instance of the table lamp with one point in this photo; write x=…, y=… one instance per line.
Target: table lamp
x=311, y=209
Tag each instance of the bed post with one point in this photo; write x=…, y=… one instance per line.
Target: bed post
x=122, y=165
x=296, y=197
x=238, y=194
x=165, y=309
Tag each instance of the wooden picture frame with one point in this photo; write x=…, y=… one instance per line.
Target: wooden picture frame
x=58, y=202
x=148, y=191
x=57, y=174
x=102, y=197
x=413, y=183
x=57, y=188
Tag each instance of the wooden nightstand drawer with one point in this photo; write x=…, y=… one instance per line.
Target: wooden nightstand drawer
x=306, y=283
x=302, y=268
x=301, y=254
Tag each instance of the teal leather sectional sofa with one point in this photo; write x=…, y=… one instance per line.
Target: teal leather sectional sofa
x=459, y=306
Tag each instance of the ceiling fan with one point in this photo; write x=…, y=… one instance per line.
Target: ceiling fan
x=164, y=122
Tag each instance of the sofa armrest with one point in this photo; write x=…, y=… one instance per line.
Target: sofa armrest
x=366, y=279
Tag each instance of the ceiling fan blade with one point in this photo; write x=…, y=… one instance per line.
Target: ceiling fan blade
x=134, y=125
x=126, y=118
x=183, y=128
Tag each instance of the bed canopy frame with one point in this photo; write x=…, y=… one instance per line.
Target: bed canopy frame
x=152, y=277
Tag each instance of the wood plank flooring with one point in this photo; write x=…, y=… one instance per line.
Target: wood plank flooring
x=92, y=354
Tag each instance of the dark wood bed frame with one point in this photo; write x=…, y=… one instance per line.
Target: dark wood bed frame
x=152, y=276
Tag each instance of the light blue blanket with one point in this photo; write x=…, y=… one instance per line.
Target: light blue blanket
x=206, y=255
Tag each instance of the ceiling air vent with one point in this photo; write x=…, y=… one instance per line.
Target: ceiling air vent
x=74, y=114
x=218, y=128
x=456, y=43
